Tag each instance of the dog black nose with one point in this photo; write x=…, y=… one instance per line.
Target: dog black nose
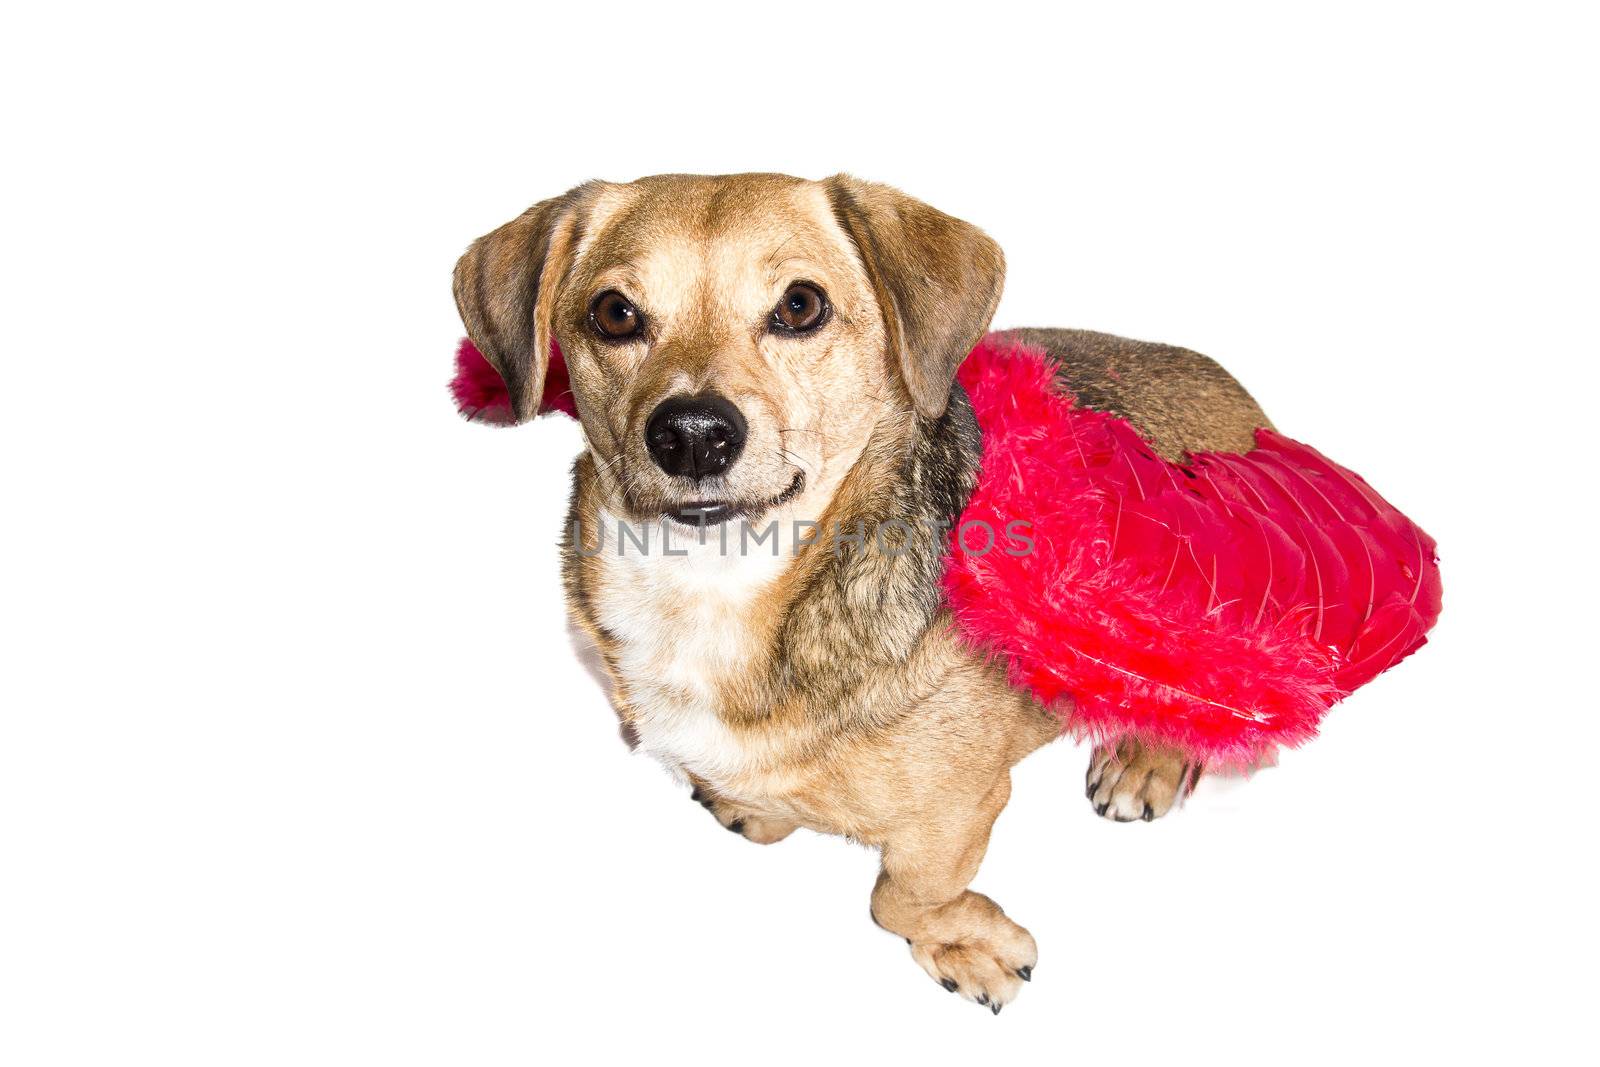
x=695, y=436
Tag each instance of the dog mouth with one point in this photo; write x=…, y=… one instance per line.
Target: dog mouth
x=715, y=512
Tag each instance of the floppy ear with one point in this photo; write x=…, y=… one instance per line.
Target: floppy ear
x=938, y=280
x=505, y=288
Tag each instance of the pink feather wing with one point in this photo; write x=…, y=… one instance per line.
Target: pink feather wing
x=1221, y=605
x=481, y=396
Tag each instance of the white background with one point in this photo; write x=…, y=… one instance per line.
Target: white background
x=298, y=764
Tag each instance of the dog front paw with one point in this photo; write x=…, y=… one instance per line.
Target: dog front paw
x=762, y=829
x=986, y=967
x=1135, y=781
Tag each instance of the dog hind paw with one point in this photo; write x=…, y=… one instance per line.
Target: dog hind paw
x=1135, y=782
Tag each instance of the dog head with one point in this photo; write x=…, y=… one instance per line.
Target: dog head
x=732, y=341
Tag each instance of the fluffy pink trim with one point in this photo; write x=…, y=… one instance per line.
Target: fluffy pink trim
x=480, y=393
x=1220, y=605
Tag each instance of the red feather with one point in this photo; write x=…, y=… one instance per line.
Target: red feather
x=1221, y=605
x=480, y=393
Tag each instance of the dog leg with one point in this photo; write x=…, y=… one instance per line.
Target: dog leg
x=961, y=938
x=1132, y=780
x=762, y=829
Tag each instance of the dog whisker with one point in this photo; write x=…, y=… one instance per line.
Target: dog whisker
x=784, y=453
x=773, y=260
x=601, y=470
x=801, y=429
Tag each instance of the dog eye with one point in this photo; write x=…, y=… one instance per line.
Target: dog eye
x=802, y=308
x=613, y=318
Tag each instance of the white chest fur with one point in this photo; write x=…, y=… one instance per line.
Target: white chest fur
x=681, y=622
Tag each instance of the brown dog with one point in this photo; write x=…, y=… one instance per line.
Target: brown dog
x=782, y=353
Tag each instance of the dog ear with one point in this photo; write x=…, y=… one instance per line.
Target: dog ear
x=505, y=289
x=938, y=280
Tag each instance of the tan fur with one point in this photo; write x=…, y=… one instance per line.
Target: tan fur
x=814, y=689
x=1180, y=400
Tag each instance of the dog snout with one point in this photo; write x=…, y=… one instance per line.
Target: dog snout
x=695, y=436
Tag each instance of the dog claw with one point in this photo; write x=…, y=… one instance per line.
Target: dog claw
x=1100, y=809
x=1149, y=813
x=949, y=984
x=737, y=826
x=996, y=1008
x=983, y=998
x=1025, y=973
